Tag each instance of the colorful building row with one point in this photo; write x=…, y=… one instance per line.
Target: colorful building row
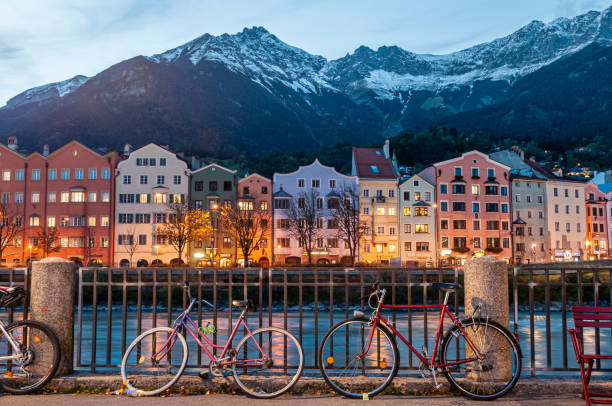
x=106, y=208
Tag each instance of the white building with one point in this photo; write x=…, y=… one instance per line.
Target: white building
x=329, y=185
x=417, y=215
x=146, y=182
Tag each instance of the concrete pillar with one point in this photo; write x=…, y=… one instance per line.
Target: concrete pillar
x=486, y=282
x=52, y=303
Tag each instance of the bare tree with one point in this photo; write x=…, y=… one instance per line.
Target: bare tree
x=9, y=228
x=129, y=242
x=185, y=225
x=47, y=239
x=247, y=225
x=304, y=214
x=346, y=215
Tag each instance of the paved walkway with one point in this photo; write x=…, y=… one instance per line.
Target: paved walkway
x=287, y=400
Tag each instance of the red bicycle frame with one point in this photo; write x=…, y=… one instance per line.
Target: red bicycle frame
x=378, y=318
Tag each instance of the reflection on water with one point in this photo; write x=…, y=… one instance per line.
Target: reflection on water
x=310, y=342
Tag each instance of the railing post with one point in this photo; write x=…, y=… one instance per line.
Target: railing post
x=52, y=303
x=486, y=284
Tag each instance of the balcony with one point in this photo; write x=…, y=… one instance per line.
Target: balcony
x=379, y=199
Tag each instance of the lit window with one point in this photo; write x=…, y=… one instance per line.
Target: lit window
x=77, y=197
x=91, y=221
x=160, y=198
x=406, y=211
x=35, y=197
x=380, y=211
x=475, y=189
x=6, y=175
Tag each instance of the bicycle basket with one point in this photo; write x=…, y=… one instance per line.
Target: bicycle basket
x=13, y=298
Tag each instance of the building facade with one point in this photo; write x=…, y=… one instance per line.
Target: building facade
x=473, y=208
x=597, y=219
x=63, y=202
x=147, y=182
x=567, y=231
x=378, y=204
x=255, y=191
x=417, y=217
x=213, y=187
x=327, y=186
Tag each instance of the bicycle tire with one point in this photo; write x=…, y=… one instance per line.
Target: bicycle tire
x=239, y=349
x=385, y=331
x=124, y=363
x=454, y=332
x=55, y=358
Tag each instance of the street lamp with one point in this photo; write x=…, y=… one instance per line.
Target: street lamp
x=30, y=248
x=157, y=252
x=533, y=251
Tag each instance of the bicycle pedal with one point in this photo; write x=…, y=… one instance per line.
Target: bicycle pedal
x=204, y=375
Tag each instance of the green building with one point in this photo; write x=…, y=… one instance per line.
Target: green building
x=212, y=188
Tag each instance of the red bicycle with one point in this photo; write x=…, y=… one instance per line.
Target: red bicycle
x=480, y=358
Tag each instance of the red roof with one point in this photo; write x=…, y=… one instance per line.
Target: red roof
x=370, y=163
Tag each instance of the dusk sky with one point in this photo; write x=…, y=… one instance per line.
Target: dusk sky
x=41, y=44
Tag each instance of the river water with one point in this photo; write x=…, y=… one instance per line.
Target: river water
x=310, y=341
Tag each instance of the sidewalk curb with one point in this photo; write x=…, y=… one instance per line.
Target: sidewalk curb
x=402, y=385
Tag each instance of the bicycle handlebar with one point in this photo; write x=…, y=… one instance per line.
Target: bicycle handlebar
x=187, y=288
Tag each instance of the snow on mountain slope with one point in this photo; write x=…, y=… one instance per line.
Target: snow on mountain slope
x=48, y=91
x=256, y=53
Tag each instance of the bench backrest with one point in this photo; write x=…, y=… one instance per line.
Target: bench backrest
x=591, y=316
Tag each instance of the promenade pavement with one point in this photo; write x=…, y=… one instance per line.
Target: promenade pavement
x=287, y=400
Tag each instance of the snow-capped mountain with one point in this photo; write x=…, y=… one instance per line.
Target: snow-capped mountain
x=48, y=91
x=256, y=93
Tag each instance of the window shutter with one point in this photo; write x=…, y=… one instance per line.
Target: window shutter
x=171, y=198
x=182, y=197
x=137, y=198
x=148, y=197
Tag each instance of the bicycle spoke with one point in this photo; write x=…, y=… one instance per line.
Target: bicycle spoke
x=348, y=368
x=154, y=361
x=268, y=362
x=487, y=378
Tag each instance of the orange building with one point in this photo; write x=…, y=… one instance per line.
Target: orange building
x=597, y=223
x=255, y=191
x=473, y=208
x=70, y=191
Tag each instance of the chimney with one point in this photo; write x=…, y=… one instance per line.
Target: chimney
x=127, y=150
x=386, y=149
x=12, y=143
x=45, y=149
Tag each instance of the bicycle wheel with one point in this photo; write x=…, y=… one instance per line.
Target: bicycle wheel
x=268, y=362
x=154, y=361
x=485, y=379
x=347, y=369
x=38, y=357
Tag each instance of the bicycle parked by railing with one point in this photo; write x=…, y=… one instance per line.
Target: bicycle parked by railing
x=480, y=358
x=29, y=350
x=265, y=363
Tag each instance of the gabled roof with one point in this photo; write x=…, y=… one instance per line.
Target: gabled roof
x=481, y=154
x=223, y=168
x=548, y=173
x=254, y=175
x=281, y=193
x=371, y=163
x=314, y=163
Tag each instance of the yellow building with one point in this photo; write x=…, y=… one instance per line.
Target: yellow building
x=378, y=205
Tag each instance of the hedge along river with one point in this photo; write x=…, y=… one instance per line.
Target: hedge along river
x=310, y=343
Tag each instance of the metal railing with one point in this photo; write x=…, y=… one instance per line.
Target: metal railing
x=542, y=297
x=15, y=277
x=116, y=305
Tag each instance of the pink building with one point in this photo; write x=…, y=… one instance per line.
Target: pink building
x=473, y=208
x=597, y=220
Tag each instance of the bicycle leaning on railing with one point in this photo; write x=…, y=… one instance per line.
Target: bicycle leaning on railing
x=265, y=363
x=480, y=358
x=29, y=350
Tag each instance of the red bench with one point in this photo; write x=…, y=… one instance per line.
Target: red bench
x=594, y=317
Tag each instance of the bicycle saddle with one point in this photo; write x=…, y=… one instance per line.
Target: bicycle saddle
x=245, y=304
x=445, y=286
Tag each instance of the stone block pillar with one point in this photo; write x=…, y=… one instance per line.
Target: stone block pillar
x=486, y=283
x=52, y=303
